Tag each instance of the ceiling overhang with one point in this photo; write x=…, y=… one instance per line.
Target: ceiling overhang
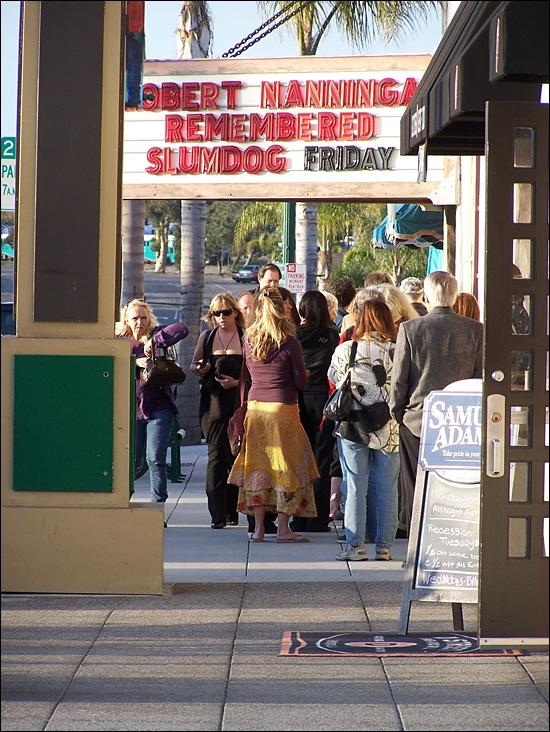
x=491, y=51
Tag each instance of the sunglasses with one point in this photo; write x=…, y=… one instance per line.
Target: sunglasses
x=217, y=313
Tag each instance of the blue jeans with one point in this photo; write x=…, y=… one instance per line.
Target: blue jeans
x=361, y=468
x=371, y=521
x=152, y=437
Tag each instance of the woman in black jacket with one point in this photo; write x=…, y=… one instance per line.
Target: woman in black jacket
x=217, y=360
x=318, y=337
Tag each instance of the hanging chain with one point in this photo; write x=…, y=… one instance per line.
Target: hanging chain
x=236, y=50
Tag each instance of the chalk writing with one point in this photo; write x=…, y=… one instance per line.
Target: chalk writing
x=448, y=556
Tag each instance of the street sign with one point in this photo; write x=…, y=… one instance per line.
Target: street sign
x=295, y=278
x=8, y=173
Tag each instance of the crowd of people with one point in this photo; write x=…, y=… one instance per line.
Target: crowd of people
x=296, y=469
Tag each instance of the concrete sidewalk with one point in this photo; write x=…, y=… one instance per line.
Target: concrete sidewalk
x=193, y=552
x=204, y=656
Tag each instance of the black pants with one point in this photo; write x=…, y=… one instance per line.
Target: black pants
x=322, y=443
x=222, y=496
x=335, y=467
x=409, y=446
x=269, y=523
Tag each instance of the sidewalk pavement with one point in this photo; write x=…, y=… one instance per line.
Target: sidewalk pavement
x=204, y=656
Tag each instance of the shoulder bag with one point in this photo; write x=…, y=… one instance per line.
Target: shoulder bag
x=360, y=424
x=339, y=403
x=235, y=425
x=161, y=370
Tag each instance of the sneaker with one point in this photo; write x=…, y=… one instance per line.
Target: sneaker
x=353, y=554
x=383, y=553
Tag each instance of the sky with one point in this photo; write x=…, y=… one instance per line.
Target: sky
x=232, y=21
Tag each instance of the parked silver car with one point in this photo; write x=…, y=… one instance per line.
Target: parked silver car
x=247, y=273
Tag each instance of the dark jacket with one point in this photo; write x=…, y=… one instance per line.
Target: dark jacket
x=420, y=308
x=340, y=315
x=318, y=347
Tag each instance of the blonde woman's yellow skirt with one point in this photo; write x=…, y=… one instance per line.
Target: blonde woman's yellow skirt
x=275, y=467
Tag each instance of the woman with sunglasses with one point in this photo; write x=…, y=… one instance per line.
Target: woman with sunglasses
x=275, y=470
x=217, y=360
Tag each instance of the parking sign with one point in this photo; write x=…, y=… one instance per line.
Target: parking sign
x=295, y=279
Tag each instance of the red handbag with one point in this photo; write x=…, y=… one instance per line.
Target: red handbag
x=235, y=426
x=235, y=429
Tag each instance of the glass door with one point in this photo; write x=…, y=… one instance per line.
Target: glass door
x=513, y=596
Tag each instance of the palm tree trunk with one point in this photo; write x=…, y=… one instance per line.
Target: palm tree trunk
x=133, y=219
x=306, y=241
x=194, y=39
x=193, y=232
x=160, y=262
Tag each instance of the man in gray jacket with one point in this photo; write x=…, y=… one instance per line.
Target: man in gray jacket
x=431, y=353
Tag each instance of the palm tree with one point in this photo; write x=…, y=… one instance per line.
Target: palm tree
x=335, y=222
x=194, y=35
x=265, y=216
x=306, y=240
x=360, y=21
x=161, y=214
x=332, y=222
x=133, y=219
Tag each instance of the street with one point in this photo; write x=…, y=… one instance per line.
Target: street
x=160, y=287
x=165, y=287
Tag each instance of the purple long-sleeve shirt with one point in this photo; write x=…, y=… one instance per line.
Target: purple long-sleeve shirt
x=151, y=398
x=280, y=376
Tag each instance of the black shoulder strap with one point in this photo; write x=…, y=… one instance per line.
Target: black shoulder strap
x=209, y=344
x=352, y=354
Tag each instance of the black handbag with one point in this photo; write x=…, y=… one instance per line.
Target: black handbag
x=361, y=423
x=339, y=403
x=162, y=370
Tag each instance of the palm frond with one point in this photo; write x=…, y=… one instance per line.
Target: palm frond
x=260, y=214
x=360, y=21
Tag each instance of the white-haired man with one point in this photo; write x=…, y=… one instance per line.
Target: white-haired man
x=431, y=352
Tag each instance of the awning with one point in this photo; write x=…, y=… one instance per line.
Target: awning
x=407, y=224
x=491, y=51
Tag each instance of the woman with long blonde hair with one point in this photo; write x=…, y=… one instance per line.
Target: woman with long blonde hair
x=399, y=304
x=155, y=406
x=275, y=468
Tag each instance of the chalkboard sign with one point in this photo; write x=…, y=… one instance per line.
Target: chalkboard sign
x=443, y=553
x=448, y=552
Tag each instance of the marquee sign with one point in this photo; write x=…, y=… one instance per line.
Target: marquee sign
x=227, y=128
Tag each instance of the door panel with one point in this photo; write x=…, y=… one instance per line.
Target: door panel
x=513, y=593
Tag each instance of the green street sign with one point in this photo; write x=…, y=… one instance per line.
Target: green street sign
x=8, y=147
x=8, y=173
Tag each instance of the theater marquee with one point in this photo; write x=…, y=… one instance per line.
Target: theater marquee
x=274, y=129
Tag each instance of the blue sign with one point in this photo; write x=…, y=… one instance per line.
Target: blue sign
x=451, y=431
